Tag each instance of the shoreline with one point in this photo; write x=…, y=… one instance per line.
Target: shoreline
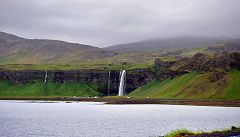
x=232, y=132
x=125, y=101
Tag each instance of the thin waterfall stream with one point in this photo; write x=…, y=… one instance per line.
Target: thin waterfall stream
x=46, y=82
x=109, y=82
x=45, y=78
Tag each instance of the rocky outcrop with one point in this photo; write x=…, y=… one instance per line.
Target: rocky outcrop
x=205, y=62
x=162, y=70
x=217, y=64
x=163, y=65
x=216, y=75
x=138, y=77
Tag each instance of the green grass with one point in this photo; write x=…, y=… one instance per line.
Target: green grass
x=177, y=132
x=186, y=133
x=233, y=89
x=37, y=89
x=193, y=86
x=98, y=66
x=52, y=66
x=164, y=89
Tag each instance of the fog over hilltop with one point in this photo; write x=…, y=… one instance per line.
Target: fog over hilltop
x=109, y=22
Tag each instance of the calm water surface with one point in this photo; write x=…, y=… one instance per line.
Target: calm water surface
x=91, y=119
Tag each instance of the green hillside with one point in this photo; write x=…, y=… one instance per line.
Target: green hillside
x=193, y=86
x=233, y=90
x=38, y=89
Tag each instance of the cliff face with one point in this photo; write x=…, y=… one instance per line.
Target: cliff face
x=204, y=62
x=162, y=70
x=22, y=76
x=134, y=78
x=138, y=77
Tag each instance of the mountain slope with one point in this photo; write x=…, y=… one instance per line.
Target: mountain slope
x=14, y=49
x=164, y=44
x=193, y=86
x=227, y=46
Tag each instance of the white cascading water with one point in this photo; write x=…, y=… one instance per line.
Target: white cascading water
x=109, y=81
x=122, y=83
x=45, y=79
x=120, y=74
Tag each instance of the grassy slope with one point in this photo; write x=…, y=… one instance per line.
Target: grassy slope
x=192, y=86
x=233, y=90
x=10, y=58
x=74, y=60
x=37, y=89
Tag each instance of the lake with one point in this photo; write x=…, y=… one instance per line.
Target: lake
x=95, y=119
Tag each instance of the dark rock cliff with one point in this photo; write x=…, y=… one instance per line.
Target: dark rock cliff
x=134, y=78
x=204, y=62
x=162, y=70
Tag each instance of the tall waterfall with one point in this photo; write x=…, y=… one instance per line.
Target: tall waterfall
x=109, y=82
x=122, y=83
x=46, y=75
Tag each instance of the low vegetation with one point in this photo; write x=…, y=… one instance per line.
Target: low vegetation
x=233, y=89
x=97, y=65
x=193, y=86
x=234, y=131
x=38, y=89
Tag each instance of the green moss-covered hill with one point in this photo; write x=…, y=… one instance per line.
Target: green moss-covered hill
x=193, y=85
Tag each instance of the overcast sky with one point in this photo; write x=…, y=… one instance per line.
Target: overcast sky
x=107, y=22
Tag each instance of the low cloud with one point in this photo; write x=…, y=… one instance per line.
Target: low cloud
x=107, y=22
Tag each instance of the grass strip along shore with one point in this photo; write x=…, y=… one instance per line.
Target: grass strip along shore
x=127, y=100
x=233, y=132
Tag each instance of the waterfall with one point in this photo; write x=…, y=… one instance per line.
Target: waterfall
x=46, y=83
x=45, y=79
x=122, y=83
x=120, y=74
x=109, y=82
